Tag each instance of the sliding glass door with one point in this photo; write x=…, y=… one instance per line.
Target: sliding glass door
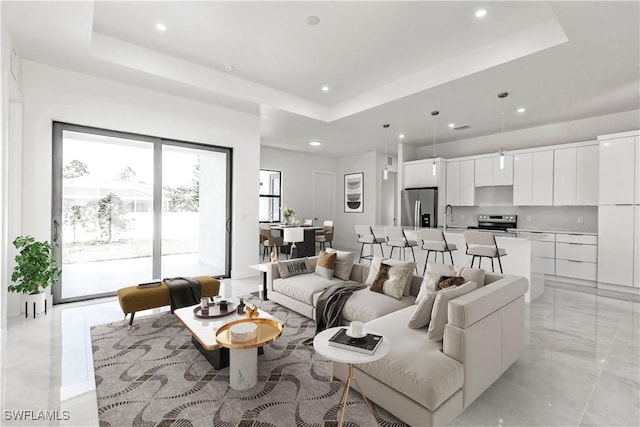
x=129, y=209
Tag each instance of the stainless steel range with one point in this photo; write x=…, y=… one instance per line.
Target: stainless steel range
x=496, y=222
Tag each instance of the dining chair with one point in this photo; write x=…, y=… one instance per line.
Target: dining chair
x=433, y=240
x=367, y=237
x=483, y=244
x=325, y=235
x=269, y=240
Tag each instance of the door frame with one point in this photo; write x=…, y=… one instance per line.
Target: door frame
x=58, y=129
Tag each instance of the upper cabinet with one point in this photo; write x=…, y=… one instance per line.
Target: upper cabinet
x=533, y=179
x=489, y=173
x=419, y=173
x=575, y=176
x=617, y=171
x=460, y=183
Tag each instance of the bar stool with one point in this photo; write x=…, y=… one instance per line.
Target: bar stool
x=483, y=245
x=433, y=240
x=293, y=235
x=366, y=237
x=269, y=240
x=397, y=239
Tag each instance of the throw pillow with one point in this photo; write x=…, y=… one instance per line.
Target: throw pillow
x=292, y=267
x=429, y=285
x=344, y=263
x=373, y=269
x=378, y=282
x=422, y=315
x=326, y=264
x=441, y=269
x=439, y=314
x=397, y=277
x=447, y=281
x=409, y=265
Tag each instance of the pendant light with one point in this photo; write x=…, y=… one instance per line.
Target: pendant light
x=385, y=172
x=434, y=166
x=502, y=96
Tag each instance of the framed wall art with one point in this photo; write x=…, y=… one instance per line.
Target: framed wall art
x=354, y=192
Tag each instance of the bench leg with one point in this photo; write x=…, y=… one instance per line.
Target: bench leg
x=131, y=320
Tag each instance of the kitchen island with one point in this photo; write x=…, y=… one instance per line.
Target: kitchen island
x=518, y=261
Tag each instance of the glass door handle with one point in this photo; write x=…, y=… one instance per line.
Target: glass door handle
x=56, y=227
x=228, y=225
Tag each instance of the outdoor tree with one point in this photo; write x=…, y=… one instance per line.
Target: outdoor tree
x=75, y=168
x=196, y=183
x=74, y=216
x=111, y=211
x=185, y=199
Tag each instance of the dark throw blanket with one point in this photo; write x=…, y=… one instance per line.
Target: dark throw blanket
x=330, y=304
x=183, y=292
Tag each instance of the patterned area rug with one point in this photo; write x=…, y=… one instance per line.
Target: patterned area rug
x=154, y=376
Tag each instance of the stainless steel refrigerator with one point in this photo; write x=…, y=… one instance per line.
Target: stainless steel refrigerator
x=420, y=207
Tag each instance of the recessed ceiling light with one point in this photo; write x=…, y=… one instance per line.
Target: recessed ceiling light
x=401, y=136
x=481, y=13
x=315, y=143
x=313, y=20
x=452, y=125
x=161, y=27
x=521, y=110
x=228, y=67
x=325, y=88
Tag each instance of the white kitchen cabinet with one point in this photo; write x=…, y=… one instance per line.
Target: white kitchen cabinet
x=453, y=183
x=616, y=252
x=483, y=173
x=564, y=177
x=617, y=171
x=488, y=173
x=542, y=185
x=637, y=170
x=467, y=184
x=577, y=256
x=577, y=252
x=587, y=172
x=522, y=179
x=503, y=176
x=576, y=269
x=419, y=174
x=636, y=250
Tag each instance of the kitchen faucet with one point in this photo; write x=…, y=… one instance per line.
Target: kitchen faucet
x=449, y=216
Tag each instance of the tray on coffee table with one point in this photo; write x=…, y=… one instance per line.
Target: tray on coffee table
x=215, y=311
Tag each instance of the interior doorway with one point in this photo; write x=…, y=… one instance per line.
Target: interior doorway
x=323, y=196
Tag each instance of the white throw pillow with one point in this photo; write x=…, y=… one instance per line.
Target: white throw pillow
x=428, y=285
x=344, y=263
x=422, y=315
x=473, y=275
x=394, y=285
x=439, y=315
x=373, y=270
x=409, y=265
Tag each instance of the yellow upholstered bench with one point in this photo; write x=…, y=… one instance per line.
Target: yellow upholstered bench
x=137, y=298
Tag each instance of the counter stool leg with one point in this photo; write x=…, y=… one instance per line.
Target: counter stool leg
x=451, y=255
x=500, y=264
x=492, y=269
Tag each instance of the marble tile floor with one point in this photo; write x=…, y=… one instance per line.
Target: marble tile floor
x=580, y=367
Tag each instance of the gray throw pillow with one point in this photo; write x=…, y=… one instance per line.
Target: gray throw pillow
x=422, y=315
x=292, y=267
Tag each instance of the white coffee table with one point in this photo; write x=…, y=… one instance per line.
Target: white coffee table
x=322, y=347
x=203, y=332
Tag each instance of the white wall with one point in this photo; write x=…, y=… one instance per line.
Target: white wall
x=52, y=94
x=557, y=133
x=297, y=177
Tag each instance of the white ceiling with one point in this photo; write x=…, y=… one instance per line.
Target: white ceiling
x=388, y=61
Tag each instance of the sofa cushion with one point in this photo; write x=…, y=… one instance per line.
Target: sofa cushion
x=415, y=366
x=326, y=264
x=421, y=317
x=303, y=287
x=364, y=305
x=473, y=275
x=396, y=281
x=441, y=307
x=375, y=266
x=381, y=277
x=292, y=267
x=344, y=263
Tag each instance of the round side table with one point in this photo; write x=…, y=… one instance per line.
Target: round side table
x=350, y=357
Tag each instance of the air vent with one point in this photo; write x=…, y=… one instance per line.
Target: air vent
x=461, y=127
x=389, y=161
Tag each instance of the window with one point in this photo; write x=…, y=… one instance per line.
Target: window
x=270, y=195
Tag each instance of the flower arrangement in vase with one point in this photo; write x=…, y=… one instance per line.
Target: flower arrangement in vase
x=288, y=213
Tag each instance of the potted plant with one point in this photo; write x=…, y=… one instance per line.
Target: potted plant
x=287, y=213
x=35, y=270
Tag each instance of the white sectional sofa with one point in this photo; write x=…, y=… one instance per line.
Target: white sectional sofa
x=420, y=381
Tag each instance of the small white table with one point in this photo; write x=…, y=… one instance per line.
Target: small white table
x=262, y=268
x=322, y=347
